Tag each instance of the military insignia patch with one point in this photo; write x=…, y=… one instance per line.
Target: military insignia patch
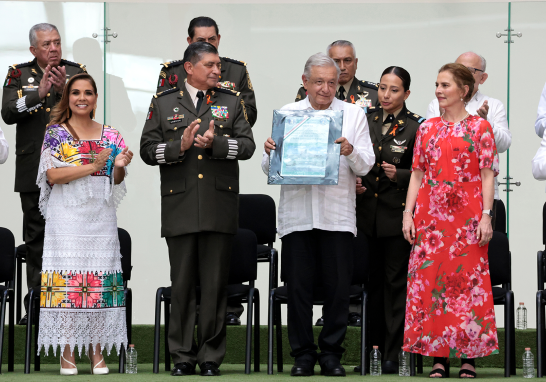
x=161, y=82
x=399, y=143
x=150, y=113
x=163, y=74
x=173, y=79
x=244, y=109
x=398, y=149
x=33, y=71
x=248, y=80
x=220, y=112
x=298, y=96
x=8, y=81
x=227, y=85
x=175, y=118
x=395, y=160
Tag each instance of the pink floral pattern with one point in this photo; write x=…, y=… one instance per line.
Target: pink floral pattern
x=449, y=306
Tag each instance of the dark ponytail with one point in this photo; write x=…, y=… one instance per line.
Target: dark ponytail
x=400, y=73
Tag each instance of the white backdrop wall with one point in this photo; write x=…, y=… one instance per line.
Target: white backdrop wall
x=275, y=40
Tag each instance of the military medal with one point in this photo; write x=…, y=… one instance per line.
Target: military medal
x=220, y=112
x=363, y=102
x=30, y=80
x=398, y=149
x=176, y=118
x=227, y=85
x=173, y=79
x=395, y=160
x=399, y=143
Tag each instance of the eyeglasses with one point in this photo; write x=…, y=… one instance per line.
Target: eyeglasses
x=474, y=70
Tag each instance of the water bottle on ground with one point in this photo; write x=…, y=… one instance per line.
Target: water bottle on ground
x=375, y=362
x=403, y=363
x=528, y=364
x=521, y=317
x=131, y=366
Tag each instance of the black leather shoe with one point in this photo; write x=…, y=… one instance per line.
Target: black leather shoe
x=320, y=322
x=232, y=319
x=354, y=319
x=389, y=367
x=358, y=368
x=332, y=368
x=183, y=368
x=209, y=369
x=303, y=367
x=23, y=320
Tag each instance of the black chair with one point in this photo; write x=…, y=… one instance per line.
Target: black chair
x=258, y=213
x=500, y=217
x=500, y=268
x=243, y=269
x=358, y=295
x=34, y=307
x=7, y=261
x=20, y=257
x=541, y=301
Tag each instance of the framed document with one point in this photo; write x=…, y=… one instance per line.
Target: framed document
x=305, y=150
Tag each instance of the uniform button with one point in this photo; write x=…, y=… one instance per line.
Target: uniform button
x=221, y=127
x=379, y=148
x=176, y=128
x=403, y=204
x=48, y=109
x=22, y=151
x=378, y=165
x=200, y=157
x=200, y=176
x=376, y=195
x=230, y=188
x=377, y=179
x=171, y=191
x=48, y=94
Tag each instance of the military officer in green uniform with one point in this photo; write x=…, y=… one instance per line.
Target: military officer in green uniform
x=30, y=91
x=349, y=88
x=234, y=75
x=381, y=198
x=197, y=133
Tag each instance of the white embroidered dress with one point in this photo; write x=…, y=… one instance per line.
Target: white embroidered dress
x=82, y=298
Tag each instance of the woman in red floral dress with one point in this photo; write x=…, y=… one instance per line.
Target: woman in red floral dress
x=449, y=307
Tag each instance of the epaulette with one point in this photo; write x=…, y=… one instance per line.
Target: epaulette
x=17, y=66
x=172, y=63
x=368, y=84
x=373, y=109
x=227, y=91
x=416, y=117
x=234, y=61
x=66, y=62
x=165, y=92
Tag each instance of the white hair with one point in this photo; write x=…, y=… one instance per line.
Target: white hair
x=42, y=27
x=319, y=59
x=341, y=43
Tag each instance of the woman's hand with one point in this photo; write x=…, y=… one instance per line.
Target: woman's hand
x=123, y=158
x=360, y=189
x=484, y=233
x=100, y=159
x=408, y=228
x=269, y=145
x=390, y=170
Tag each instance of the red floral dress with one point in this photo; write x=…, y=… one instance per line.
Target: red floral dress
x=449, y=306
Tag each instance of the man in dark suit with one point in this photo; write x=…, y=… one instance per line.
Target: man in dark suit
x=31, y=90
x=196, y=134
x=234, y=74
x=349, y=88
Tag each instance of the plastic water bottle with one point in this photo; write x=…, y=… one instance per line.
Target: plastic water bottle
x=375, y=362
x=528, y=364
x=131, y=367
x=521, y=317
x=403, y=363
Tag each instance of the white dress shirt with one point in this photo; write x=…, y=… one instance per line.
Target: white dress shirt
x=539, y=161
x=540, y=123
x=192, y=91
x=4, y=148
x=329, y=208
x=496, y=116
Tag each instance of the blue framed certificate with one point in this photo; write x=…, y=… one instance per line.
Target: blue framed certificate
x=305, y=150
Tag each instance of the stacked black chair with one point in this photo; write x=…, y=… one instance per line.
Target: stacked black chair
x=541, y=301
x=34, y=307
x=7, y=271
x=500, y=268
x=358, y=295
x=500, y=217
x=243, y=268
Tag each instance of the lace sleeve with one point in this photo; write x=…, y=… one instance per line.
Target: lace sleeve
x=117, y=191
x=47, y=161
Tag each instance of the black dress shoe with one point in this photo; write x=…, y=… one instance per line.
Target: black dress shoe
x=183, y=368
x=332, y=368
x=354, y=319
x=303, y=368
x=232, y=319
x=209, y=369
x=389, y=367
x=23, y=320
x=358, y=368
x=320, y=322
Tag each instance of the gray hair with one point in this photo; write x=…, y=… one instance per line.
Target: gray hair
x=341, y=43
x=195, y=51
x=319, y=59
x=42, y=27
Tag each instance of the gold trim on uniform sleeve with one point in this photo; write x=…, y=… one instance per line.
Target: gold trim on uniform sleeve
x=244, y=109
x=249, y=82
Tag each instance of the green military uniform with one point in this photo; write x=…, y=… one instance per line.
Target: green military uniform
x=379, y=216
x=199, y=210
x=362, y=93
x=22, y=105
x=234, y=76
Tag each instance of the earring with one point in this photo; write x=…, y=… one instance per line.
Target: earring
x=462, y=100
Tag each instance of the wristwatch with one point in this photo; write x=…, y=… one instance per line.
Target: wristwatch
x=488, y=212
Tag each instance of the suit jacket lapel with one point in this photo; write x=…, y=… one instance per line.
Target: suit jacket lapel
x=375, y=126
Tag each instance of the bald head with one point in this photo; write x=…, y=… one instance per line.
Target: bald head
x=476, y=64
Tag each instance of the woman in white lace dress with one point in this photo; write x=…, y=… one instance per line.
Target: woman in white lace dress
x=81, y=180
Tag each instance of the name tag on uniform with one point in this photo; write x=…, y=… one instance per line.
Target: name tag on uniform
x=175, y=118
x=398, y=149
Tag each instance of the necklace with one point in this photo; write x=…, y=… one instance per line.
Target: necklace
x=446, y=123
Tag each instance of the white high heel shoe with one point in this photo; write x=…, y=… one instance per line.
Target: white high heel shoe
x=71, y=371
x=99, y=370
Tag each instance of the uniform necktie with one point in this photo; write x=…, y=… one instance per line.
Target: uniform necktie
x=389, y=119
x=341, y=94
x=200, y=96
